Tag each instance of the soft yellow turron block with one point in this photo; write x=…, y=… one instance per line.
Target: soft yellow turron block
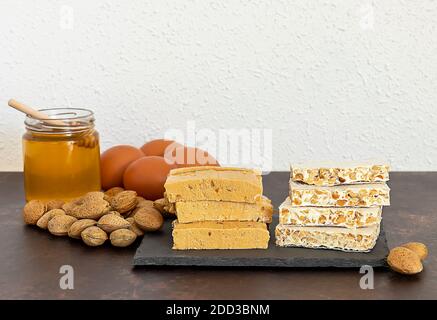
x=195, y=211
x=220, y=235
x=214, y=183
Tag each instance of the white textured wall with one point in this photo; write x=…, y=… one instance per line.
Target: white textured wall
x=333, y=79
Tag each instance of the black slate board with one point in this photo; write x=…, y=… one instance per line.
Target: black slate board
x=155, y=250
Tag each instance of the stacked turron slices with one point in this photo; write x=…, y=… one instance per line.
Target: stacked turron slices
x=218, y=208
x=334, y=206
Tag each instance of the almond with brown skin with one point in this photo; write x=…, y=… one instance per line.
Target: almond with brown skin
x=404, y=261
x=165, y=207
x=54, y=204
x=110, y=193
x=122, y=237
x=59, y=225
x=124, y=202
x=149, y=219
x=77, y=227
x=94, y=236
x=419, y=248
x=112, y=222
x=44, y=220
x=90, y=206
x=134, y=227
x=141, y=202
x=160, y=204
x=33, y=211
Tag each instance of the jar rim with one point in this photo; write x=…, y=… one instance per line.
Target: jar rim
x=72, y=120
x=67, y=111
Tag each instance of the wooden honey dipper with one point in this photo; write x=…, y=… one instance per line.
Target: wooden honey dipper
x=88, y=141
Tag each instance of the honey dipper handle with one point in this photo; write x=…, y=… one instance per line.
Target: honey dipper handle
x=34, y=113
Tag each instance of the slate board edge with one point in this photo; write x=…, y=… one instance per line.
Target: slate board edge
x=292, y=262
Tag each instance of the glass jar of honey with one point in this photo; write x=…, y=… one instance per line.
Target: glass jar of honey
x=61, y=155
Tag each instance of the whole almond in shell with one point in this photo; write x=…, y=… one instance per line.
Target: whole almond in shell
x=149, y=219
x=112, y=222
x=54, y=204
x=160, y=205
x=124, y=201
x=90, y=206
x=404, y=261
x=33, y=211
x=163, y=206
x=77, y=227
x=116, y=213
x=419, y=248
x=141, y=202
x=122, y=237
x=134, y=227
x=44, y=220
x=94, y=236
x=112, y=192
x=59, y=225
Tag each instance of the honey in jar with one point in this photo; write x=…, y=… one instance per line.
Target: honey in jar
x=62, y=156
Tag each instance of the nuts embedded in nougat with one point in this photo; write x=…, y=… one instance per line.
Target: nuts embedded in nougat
x=33, y=211
x=124, y=201
x=149, y=219
x=112, y=222
x=59, y=225
x=404, y=261
x=44, y=220
x=77, y=227
x=94, y=236
x=419, y=248
x=90, y=206
x=122, y=237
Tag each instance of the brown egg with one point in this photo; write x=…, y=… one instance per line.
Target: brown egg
x=190, y=157
x=147, y=176
x=159, y=147
x=113, y=163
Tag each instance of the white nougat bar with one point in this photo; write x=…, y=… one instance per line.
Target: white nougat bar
x=344, y=239
x=330, y=174
x=348, y=217
x=360, y=195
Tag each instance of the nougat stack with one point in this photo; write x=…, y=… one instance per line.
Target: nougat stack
x=218, y=208
x=334, y=206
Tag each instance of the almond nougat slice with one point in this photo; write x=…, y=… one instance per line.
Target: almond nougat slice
x=344, y=239
x=331, y=174
x=359, y=195
x=348, y=217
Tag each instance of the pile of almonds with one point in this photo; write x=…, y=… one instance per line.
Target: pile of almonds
x=117, y=214
x=408, y=258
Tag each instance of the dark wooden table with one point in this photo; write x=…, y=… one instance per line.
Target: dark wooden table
x=31, y=258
